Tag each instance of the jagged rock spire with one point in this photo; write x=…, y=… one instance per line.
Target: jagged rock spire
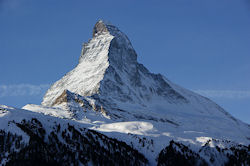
x=99, y=28
x=108, y=69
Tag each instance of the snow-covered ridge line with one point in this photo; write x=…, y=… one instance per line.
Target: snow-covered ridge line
x=139, y=135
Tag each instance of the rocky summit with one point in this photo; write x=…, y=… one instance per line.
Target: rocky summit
x=110, y=110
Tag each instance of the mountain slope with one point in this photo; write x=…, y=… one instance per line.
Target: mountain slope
x=109, y=79
x=29, y=138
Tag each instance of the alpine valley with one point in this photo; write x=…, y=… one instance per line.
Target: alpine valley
x=110, y=110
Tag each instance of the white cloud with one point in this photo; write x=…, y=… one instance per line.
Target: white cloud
x=233, y=94
x=22, y=90
x=36, y=90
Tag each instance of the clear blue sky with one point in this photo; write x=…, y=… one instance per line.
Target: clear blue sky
x=199, y=44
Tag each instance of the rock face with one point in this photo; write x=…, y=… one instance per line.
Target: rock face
x=108, y=69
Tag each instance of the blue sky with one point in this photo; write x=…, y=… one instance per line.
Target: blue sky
x=201, y=45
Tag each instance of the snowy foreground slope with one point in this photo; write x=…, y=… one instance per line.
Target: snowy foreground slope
x=110, y=110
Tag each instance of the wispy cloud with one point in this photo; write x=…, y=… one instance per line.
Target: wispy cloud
x=233, y=94
x=36, y=90
x=22, y=90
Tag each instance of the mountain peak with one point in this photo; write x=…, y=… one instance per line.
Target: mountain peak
x=100, y=28
x=103, y=27
x=108, y=69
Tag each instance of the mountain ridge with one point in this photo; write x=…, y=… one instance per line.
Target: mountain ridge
x=109, y=80
x=110, y=66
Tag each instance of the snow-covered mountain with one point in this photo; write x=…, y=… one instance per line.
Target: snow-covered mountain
x=114, y=98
